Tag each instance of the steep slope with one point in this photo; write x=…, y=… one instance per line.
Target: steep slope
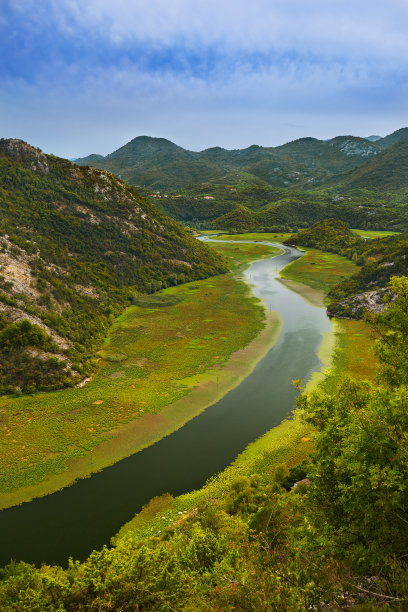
x=74, y=244
x=393, y=138
x=387, y=171
x=365, y=290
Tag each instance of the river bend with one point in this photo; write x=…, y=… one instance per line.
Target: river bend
x=84, y=516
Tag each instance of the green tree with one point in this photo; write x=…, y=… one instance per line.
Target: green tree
x=391, y=327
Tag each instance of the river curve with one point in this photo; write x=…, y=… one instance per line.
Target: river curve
x=84, y=516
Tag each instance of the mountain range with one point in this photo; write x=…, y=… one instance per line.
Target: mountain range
x=157, y=163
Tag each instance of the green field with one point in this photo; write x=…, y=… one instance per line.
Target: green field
x=261, y=236
x=373, y=234
x=240, y=255
x=319, y=270
x=156, y=355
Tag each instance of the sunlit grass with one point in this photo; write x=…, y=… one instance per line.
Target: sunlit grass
x=319, y=270
x=240, y=255
x=373, y=234
x=292, y=441
x=354, y=356
x=268, y=237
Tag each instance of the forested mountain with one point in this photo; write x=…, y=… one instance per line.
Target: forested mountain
x=279, y=209
x=75, y=245
x=157, y=163
x=361, y=181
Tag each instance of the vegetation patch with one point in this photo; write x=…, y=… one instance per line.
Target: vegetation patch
x=156, y=301
x=373, y=234
x=319, y=270
x=240, y=255
x=260, y=236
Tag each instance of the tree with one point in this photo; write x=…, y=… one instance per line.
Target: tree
x=358, y=493
x=391, y=327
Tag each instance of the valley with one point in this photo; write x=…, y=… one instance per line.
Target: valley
x=155, y=356
x=186, y=358
x=203, y=306
x=225, y=428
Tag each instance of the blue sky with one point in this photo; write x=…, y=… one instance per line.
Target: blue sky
x=84, y=76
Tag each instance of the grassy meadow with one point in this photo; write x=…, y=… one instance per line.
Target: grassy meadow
x=353, y=339
x=373, y=233
x=261, y=236
x=319, y=270
x=170, y=350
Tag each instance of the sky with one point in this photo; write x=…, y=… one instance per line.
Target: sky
x=86, y=76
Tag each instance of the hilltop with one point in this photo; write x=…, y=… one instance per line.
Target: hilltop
x=362, y=181
x=76, y=243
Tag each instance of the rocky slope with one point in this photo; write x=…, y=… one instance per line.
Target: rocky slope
x=74, y=244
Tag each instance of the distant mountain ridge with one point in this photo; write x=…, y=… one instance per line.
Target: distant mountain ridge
x=158, y=163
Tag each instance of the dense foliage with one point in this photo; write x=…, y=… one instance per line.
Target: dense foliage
x=330, y=235
x=74, y=244
x=338, y=543
x=265, y=208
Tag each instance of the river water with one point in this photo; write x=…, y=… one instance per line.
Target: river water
x=84, y=516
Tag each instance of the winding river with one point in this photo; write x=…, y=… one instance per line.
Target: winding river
x=84, y=516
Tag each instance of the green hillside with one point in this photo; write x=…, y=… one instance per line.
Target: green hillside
x=75, y=245
x=207, y=206
x=329, y=235
x=160, y=164
x=386, y=172
x=382, y=259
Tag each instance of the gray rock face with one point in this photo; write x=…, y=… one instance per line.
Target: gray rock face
x=355, y=306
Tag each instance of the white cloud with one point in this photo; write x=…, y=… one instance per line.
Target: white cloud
x=337, y=27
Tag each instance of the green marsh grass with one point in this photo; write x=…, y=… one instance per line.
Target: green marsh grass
x=373, y=234
x=319, y=270
x=152, y=357
x=268, y=237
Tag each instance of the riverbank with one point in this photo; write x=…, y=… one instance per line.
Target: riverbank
x=347, y=351
x=160, y=367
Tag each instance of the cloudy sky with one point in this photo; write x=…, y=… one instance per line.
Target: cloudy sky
x=84, y=76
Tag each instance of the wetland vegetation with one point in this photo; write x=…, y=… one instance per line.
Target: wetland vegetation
x=244, y=542
x=170, y=346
